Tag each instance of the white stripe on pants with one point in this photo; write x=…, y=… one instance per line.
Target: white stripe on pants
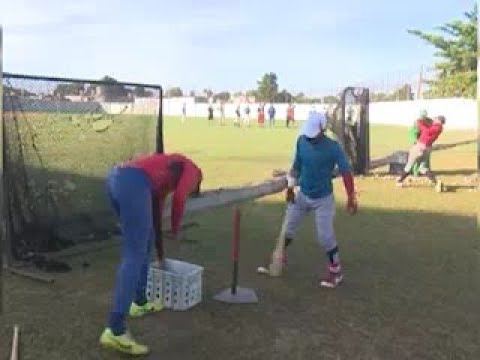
x=324, y=209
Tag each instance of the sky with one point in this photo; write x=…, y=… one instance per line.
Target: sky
x=313, y=46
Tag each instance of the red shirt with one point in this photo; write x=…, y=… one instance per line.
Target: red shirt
x=428, y=134
x=420, y=122
x=156, y=166
x=290, y=112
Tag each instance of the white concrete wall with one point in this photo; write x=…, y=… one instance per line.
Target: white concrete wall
x=460, y=113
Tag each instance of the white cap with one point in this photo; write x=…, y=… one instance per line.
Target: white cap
x=315, y=122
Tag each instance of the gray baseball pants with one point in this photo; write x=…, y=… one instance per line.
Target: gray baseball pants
x=324, y=209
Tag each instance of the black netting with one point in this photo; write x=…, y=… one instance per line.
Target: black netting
x=60, y=140
x=348, y=120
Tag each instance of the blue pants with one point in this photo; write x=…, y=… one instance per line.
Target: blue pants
x=130, y=194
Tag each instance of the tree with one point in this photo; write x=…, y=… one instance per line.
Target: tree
x=208, y=93
x=457, y=53
x=174, y=92
x=13, y=91
x=330, y=99
x=267, y=87
x=283, y=97
x=404, y=93
x=112, y=90
x=299, y=98
x=139, y=91
x=253, y=93
x=222, y=96
x=380, y=97
x=63, y=90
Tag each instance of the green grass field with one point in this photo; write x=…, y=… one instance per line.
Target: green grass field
x=411, y=256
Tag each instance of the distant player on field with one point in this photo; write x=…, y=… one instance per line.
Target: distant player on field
x=261, y=114
x=239, y=116
x=290, y=114
x=184, y=112
x=271, y=115
x=246, y=119
x=316, y=156
x=210, y=113
x=222, y=113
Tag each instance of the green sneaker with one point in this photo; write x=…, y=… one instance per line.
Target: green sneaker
x=147, y=308
x=123, y=343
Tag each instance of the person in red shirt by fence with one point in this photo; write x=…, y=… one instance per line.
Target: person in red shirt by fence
x=261, y=114
x=290, y=114
x=137, y=190
x=428, y=134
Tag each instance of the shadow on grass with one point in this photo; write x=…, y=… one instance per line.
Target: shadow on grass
x=58, y=210
x=455, y=188
x=456, y=172
x=411, y=291
x=464, y=172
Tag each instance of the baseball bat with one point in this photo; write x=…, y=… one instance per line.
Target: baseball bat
x=14, y=353
x=276, y=262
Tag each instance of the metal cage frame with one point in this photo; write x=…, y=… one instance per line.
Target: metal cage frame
x=6, y=258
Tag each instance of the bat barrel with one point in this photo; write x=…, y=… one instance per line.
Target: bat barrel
x=14, y=352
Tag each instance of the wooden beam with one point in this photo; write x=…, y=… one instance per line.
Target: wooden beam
x=385, y=160
x=210, y=199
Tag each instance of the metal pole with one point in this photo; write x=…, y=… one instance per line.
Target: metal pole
x=79, y=81
x=159, y=140
x=2, y=200
x=235, y=248
x=420, y=83
x=366, y=130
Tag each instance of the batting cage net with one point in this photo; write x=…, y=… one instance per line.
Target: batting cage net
x=60, y=139
x=349, y=122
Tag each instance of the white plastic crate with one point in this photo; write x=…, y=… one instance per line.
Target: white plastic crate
x=178, y=285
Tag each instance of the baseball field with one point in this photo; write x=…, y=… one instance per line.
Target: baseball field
x=411, y=259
